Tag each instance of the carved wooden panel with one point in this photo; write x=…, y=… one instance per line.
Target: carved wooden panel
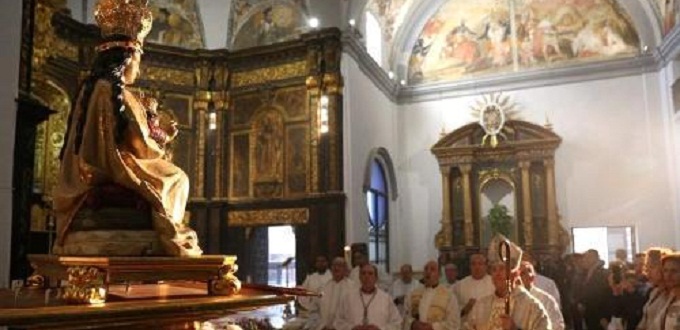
x=243, y=108
x=240, y=165
x=180, y=106
x=293, y=101
x=297, y=159
x=184, y=153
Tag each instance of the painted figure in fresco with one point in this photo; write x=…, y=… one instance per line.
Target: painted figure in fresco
x=461, y=45
x=269, y=147
x=112, y=142
x=669, y=16
x=160, y=25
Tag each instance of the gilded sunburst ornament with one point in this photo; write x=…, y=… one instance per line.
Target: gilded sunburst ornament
x=493, y=111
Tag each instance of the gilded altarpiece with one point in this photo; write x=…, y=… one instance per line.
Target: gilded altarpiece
x=249, y=135
x=518, y=173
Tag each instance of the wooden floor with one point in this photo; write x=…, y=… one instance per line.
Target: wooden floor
x=144, y=306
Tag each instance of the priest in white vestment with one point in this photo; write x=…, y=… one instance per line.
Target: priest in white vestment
x=525, y=311
x=432, y=307
x=315, y=281
x=528, y=276
x=367, y=307
x=478, y=284
x=360, y=259
x=450, y=275
x=402, y=286
x=323, y=311
x=549, y=286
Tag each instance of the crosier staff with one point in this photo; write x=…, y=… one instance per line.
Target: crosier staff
x=504, y=254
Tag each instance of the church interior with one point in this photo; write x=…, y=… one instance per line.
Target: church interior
x=405, y=130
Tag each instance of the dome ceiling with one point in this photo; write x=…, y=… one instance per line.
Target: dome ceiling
x=176, y=23
x=264, y=22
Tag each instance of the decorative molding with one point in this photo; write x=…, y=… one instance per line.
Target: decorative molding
x=168, y=75
x=262, y=75
x=292, y=216
x=669, y=49
x=353, y=47
x=530, y=79
x=549, y=76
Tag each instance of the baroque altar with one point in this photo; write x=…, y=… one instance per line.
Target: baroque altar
x=510, y=166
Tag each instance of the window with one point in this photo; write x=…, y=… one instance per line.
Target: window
x=606, y=240
x=281, y=270
x=377, y=202
x=373, y=38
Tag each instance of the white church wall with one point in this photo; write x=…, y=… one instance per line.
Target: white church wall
x=611, y=166
x=669, y=76
x=369, y=122
x=10, y=34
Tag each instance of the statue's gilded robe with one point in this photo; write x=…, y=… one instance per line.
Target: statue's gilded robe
x=136, y=163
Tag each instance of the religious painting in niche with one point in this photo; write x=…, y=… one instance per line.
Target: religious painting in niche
x=183, y=152
x=390, y=14
x=270, y=23
x=176, y=23
x=294, y=101
x=297, y=159
x=467, y=38
x=244, y=107
x=180, y=107
x=240, y=169
x=268, y=147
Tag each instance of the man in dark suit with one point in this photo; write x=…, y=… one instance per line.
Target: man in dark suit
x=596, y=295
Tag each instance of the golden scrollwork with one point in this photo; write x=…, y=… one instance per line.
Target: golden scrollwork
x=86, y=285
x=46, y=43
x=497, y=174
x=258, y=76
x=50, y=136
x=168, y=75
x=291, y=216
x=225, y=283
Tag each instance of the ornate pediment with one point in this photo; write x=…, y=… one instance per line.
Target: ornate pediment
x=517, y=138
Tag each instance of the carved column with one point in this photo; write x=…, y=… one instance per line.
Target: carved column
x=200, y=107
x=445, y=236
x=526, y=203
x=465, y=170
x=552, y=202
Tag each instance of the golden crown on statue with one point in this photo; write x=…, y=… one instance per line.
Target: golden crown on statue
x=130, y=18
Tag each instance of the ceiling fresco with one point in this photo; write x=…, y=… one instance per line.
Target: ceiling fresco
x=468, y=38
x=258, y=22
x=176, y=23
x=390, y=14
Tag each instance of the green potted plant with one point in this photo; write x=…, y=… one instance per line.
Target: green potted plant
x=499, y=220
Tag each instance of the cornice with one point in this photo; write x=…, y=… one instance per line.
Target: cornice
x=669, y=49
x=530, y=79
x=353, y=47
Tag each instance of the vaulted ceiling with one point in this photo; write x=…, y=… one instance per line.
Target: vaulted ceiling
x=432, y=40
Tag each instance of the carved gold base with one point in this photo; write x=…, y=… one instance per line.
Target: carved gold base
x=86, y=285
x=88, y=278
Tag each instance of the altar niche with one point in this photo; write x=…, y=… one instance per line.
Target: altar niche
x=509, y=188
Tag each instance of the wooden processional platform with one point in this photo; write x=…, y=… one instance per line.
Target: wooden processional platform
x=86, y=279
x=69, y=292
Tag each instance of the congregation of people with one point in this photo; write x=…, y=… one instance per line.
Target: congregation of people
x=499, y=293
